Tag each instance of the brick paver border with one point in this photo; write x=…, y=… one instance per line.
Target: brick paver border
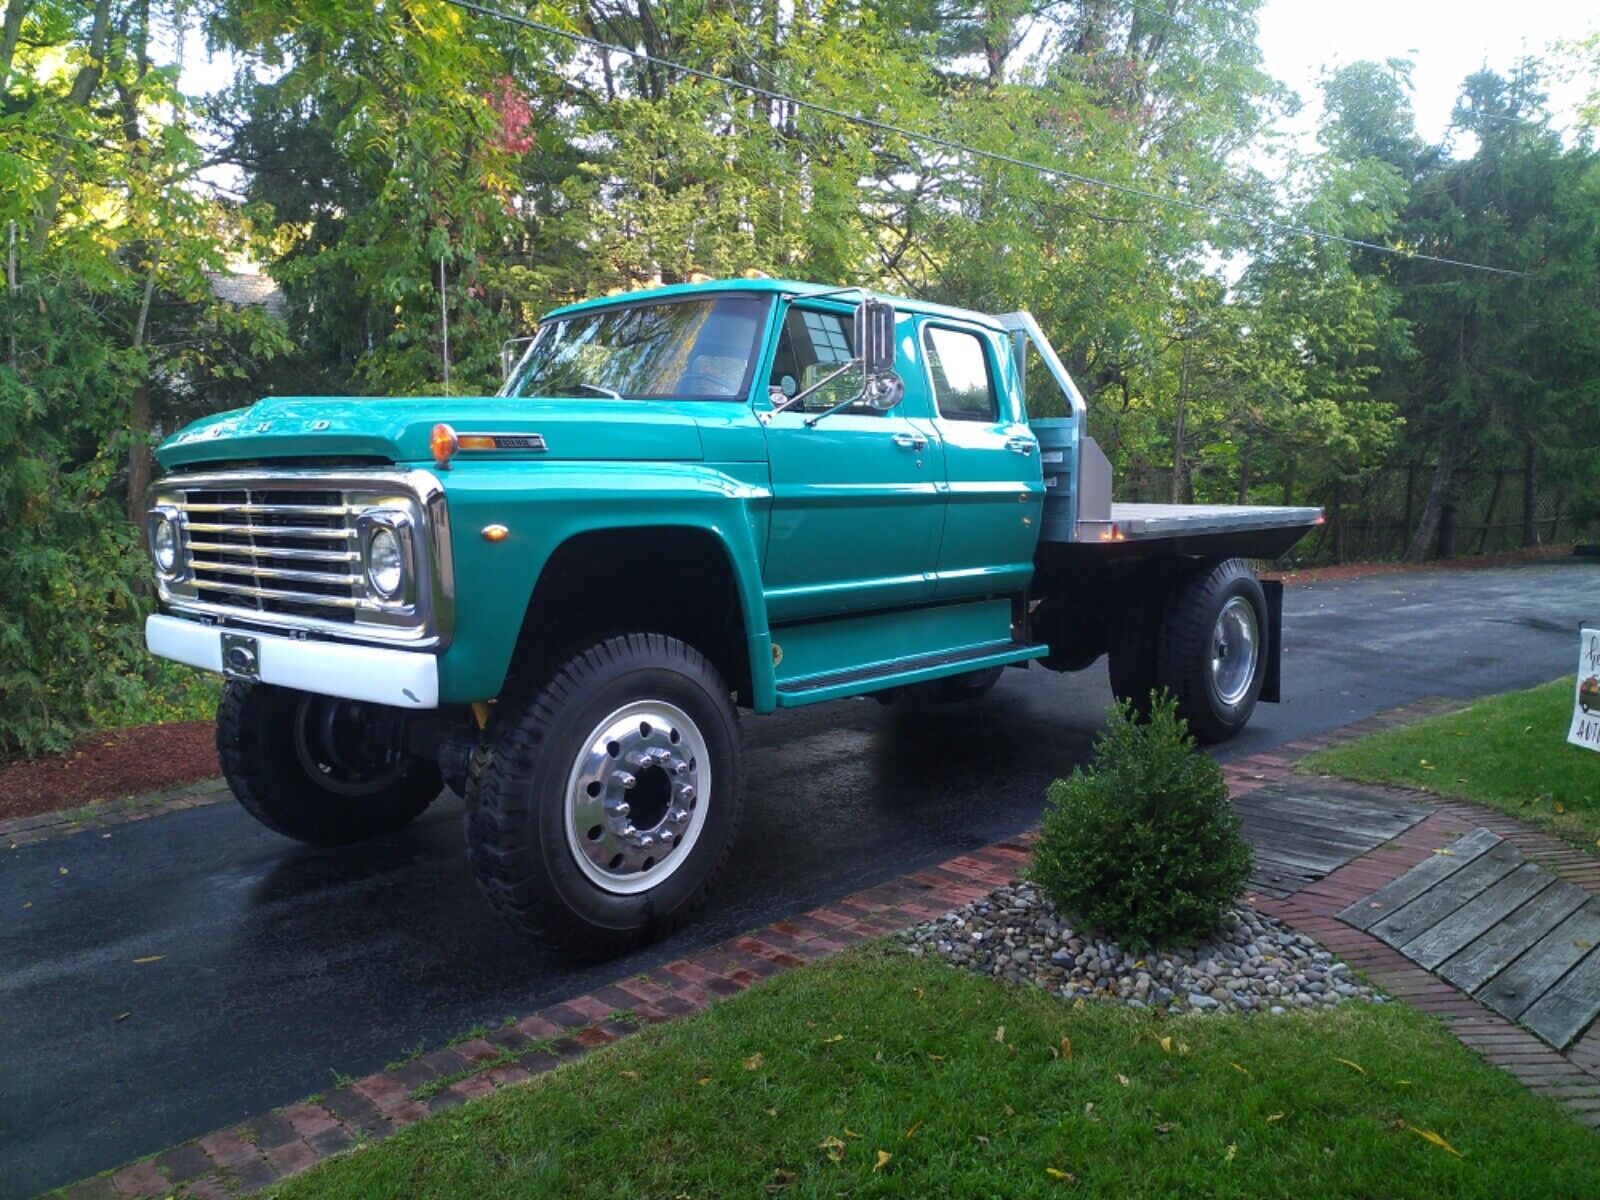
x=286, y=1141
x=107, y=814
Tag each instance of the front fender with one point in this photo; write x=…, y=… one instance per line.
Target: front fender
x=543, y=504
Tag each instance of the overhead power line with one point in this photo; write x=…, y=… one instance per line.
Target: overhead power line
x=943, y=143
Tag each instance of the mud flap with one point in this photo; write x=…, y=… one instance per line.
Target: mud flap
x=1273, y=590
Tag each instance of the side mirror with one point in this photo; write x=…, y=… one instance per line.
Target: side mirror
x=875, y=336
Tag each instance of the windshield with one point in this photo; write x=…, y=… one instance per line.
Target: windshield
x=696, y=349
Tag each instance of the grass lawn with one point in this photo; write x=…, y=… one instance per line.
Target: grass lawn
x=1509, y=752
x=879, y=1074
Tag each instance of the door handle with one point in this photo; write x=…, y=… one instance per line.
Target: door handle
x=1019, y=445
x=911, y=441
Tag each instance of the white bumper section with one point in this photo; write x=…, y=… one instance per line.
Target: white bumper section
x=403, y=678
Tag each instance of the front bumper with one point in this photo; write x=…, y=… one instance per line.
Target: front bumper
x=403, y=678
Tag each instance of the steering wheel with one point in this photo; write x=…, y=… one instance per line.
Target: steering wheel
x=686, y=383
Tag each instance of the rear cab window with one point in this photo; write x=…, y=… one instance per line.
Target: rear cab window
x=960, y=375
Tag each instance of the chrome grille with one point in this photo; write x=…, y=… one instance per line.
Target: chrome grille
x=279, y=551
x=284, y=551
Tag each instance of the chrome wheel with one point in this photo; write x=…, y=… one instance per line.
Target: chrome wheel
x=333, y=747
x=1235, y=647
x=636, y=796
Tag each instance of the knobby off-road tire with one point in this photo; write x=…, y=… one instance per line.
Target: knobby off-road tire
x=578, y=825
x=1213, y=645
x=280, y=771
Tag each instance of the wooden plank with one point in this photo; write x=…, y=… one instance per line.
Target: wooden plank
x=1513, y=990
x=1328, y=794
x=1331, y=812
x=1565, y=1011
x=1487, y=909
x=1363, y=914
x=1298, y=847
x=1356, y=841
x=1449, y=894
x=1483, y=959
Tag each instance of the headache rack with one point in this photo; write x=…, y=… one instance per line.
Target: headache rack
x=284, y=549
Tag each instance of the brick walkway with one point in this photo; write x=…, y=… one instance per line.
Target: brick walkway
x=286, y=1141
x=25, y=831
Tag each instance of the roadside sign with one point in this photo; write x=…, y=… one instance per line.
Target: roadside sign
x=1586, y=703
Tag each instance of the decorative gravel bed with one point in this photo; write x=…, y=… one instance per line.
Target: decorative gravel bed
x=1254, y=963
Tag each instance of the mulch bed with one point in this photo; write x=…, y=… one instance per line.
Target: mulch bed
x=1364, y=570
x=108, y=764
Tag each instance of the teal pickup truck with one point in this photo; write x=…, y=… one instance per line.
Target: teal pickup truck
x=682, y=502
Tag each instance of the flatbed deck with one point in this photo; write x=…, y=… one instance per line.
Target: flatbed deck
x=1133, y=521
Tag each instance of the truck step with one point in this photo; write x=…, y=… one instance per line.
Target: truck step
x=815, y=689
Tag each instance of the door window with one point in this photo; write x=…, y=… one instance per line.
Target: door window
x=814, y=344
x=963, y=388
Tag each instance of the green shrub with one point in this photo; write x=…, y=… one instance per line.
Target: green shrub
x=1143, y=845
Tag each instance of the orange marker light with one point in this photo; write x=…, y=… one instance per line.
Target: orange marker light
x=476, y=441
x=495, y=533
x=444, y=443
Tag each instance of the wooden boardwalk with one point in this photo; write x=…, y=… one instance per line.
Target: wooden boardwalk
x=1501, y=928
x=1302, y=830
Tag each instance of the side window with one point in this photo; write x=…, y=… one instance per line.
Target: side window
x=962, y=386
x=814, y=344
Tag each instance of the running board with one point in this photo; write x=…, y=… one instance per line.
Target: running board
x=836, y=685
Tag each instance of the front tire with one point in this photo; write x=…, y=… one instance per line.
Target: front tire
x=1212, y=652
x=309, y=767
x=603, y=805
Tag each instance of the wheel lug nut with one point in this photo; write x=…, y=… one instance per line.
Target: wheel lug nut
x=686, y=793
x=626, y=779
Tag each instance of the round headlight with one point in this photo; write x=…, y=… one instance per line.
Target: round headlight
x=164, y=544
x=385, y=563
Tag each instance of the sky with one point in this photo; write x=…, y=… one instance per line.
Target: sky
x=1445, y=39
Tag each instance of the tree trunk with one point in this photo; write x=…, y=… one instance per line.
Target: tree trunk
x=10, y=31
x=1446, y=547
x=83, y=86
x=1488, y=517
x=1336, y=519
x=1433, y=506
x=139, y=419
x=1530, y=527
x=1179, y=467
x=1243, y=495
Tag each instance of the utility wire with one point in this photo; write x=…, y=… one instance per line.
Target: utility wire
x=944, y=143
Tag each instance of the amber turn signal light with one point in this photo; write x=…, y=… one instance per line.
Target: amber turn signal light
x=444, y=443
x=495, y=533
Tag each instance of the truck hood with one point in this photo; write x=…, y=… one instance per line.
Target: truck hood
x=397, y=429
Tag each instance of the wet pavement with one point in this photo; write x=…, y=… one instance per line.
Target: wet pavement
x=284, y=968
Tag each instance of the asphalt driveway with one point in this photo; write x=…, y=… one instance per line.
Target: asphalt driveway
x=282, y=968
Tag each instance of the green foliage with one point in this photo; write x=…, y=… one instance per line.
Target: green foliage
x=107, y=326
x=363, y=146
x=1144, y=844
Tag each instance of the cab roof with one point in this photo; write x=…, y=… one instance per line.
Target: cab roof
x=761, y=286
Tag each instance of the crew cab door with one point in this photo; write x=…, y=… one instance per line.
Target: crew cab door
x=857, y=498
x=991, y=462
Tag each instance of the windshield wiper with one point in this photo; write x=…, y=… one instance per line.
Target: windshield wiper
x=601, y=388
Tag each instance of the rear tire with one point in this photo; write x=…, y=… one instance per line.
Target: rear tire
x=1213, y=647
x=304, y=766
x=579, y=827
